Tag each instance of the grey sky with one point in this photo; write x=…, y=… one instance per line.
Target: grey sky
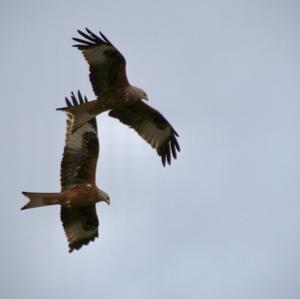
x=223, y=220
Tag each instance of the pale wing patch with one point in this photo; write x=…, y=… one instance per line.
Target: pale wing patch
x=74, y=140
x=154, y=135
x=96, y=55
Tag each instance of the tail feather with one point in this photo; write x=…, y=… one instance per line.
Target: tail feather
x=82, y=113
x=41, y=199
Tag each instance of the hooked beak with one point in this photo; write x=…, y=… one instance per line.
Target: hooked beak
x=107, y=200
x=146, y=98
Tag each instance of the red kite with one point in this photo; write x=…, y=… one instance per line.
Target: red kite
x=124, y=101
x=79, y=193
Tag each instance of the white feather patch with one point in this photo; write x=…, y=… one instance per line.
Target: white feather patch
x=96, y=55
x=154, y=135
x=74, y=140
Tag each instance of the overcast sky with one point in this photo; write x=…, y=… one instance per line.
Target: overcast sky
x=223, y=221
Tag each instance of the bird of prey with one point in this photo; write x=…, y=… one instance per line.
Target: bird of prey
x=79, y=193
x=115, y=94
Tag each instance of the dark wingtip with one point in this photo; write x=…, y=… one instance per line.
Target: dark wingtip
x=67, y=102
x=175, y=133
x=174, y=153
x=73, y=98
x=74, y=101
x=79, y=95
x=163, y=160
x=169, y=150
x=80, y=32
x=89, y=39
x=79, y=244
x=176, y=144
x=104, y=37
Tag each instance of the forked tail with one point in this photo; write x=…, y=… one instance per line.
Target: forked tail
x=41, y=199
x=81, y=113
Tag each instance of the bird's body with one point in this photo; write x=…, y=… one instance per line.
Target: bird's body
x=83, y=195
x=77, y=196
x=79, y=192
x=123, y=100
x=112, y=99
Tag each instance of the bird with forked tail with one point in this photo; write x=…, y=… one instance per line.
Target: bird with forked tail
x=79, y=193
x=123, y=101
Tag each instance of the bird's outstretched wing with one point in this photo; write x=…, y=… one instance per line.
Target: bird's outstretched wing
x=107, y=64
x=80, y=225
x=81, y=150
x=152, y=126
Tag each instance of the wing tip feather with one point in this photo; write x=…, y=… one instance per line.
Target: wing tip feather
x=169, y=149
x=90, y=39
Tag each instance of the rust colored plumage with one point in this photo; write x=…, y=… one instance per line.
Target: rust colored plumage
x=79, y=193
x=124, y=101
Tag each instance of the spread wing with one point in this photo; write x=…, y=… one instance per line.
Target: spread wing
x=80, y=225
x=107, y=64
x=152, y=126
x=81, y=150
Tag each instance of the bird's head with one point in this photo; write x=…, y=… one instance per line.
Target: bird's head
x=139, y=94
x=102, y=196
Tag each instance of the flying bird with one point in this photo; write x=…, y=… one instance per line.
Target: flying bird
x=79, y=193
x=115, y=94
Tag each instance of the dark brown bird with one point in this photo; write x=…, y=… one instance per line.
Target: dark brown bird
x=79, y=193
x=123, y=100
